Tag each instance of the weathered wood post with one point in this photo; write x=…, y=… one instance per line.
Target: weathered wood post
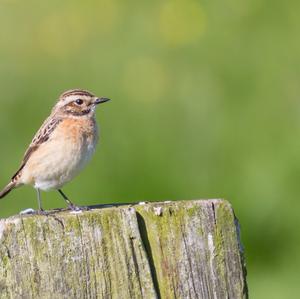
x=183, y=249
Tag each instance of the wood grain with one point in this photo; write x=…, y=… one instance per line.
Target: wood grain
x=183, y=249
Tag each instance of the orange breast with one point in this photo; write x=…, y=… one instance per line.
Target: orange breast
x=78, y=128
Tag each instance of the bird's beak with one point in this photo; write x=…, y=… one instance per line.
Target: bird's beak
x=101, y=100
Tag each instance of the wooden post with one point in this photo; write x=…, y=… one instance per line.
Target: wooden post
x=183, y=249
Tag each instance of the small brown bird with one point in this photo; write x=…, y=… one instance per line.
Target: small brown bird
x=61, y=147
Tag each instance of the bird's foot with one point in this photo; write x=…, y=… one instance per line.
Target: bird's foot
x=75, y=208
x=42, y=212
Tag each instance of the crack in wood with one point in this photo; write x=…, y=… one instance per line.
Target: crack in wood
x=184, y=250
x=145, y=240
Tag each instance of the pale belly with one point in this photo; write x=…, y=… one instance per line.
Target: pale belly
x=57, y=162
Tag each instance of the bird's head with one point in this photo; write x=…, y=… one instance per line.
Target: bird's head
x=78, y=103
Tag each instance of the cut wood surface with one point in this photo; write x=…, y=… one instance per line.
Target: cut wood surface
x=182, y=249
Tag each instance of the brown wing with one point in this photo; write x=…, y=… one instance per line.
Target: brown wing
x=40, y=137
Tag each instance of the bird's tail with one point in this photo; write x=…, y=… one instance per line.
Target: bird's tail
x=7, y=189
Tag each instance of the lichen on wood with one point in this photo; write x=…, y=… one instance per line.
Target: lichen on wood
x=184, y=249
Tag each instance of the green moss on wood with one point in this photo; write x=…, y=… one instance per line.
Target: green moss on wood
x=182, y=226
x=157, y=250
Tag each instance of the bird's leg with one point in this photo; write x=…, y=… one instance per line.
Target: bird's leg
x=71, y=206
x=40, y=210
x=39, y=199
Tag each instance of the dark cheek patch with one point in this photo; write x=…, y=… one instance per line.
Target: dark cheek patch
x=76, y=110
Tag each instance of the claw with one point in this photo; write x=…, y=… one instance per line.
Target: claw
x=77, y=208
x=42, y=212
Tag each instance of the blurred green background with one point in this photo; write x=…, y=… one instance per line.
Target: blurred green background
x=205, y=104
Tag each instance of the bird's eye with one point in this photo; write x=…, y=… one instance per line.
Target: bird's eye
x=79, y=102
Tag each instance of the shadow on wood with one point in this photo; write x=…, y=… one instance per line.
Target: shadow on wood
x=183, y=249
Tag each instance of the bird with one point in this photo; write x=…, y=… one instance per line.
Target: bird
x=62, y=146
